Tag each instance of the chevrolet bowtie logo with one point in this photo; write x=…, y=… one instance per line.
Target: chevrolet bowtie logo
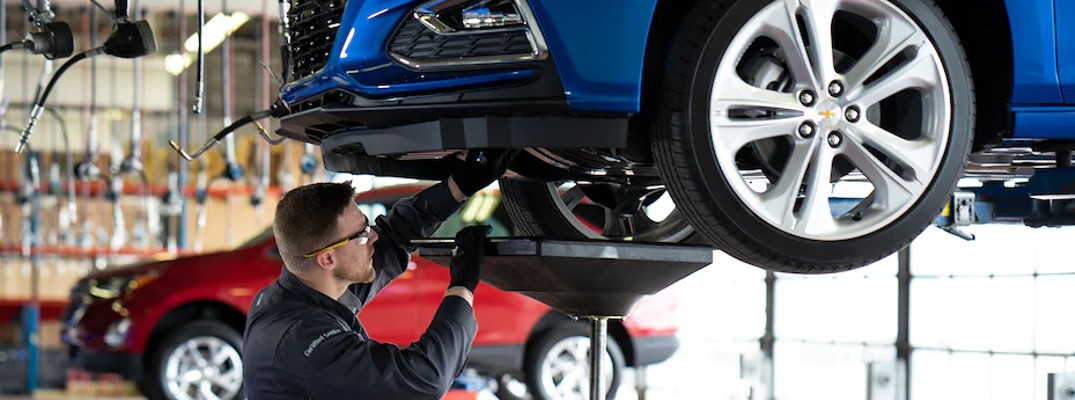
x=827, y=114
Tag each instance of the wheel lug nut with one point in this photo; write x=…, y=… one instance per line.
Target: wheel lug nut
x=835, y=139
x=807, y=129
x=853, y=114
x=836, y=88
x=807, y=98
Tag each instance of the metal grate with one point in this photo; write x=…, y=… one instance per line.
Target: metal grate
x=414, y=41
x=312, y=27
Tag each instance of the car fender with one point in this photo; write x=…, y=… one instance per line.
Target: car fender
x=145, y=322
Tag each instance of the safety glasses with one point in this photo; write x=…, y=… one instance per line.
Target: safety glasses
x=362, y=237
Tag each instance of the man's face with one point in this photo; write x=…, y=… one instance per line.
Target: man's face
x=356, y=261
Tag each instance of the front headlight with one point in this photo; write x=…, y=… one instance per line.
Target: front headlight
x=116, y=286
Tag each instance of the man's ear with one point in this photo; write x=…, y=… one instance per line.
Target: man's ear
x=326, y=260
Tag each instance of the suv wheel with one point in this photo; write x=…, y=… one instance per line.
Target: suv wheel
x=200, y=360
x=767, y=104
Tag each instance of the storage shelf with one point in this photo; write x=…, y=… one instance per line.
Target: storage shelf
x=75, y=251
x=131, y=189
x=11, y=309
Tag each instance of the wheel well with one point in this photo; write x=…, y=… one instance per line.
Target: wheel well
x=667, y=18
x=199, y=310
x=983, y=29
x=616, y=331
x=986, y=35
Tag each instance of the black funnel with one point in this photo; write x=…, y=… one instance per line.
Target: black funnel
x=581, y=278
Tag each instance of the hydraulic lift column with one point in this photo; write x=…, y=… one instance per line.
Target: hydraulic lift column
x=598, y=347
x=595, y=280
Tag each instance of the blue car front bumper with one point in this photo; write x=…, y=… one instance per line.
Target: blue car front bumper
x=366, y=64
x=366, y=79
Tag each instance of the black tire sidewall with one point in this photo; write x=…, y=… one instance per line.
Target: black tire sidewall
x=854, y=252
x=540, y=346
x=525, y=199
x=153, y=384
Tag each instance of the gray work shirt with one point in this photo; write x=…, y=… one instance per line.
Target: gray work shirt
x=300, y=343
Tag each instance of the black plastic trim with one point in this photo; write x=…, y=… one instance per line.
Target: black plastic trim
x=315, y=124
x=416, y=42
x=498, y=359
x=313, y=25
x=653, y=349
x=126, y=365
x=356, y=151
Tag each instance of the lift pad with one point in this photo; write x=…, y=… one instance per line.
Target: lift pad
x=581, y=278
x=596, y=280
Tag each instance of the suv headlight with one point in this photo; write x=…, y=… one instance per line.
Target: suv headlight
x=117, y=286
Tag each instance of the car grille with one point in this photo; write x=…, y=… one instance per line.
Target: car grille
x=312, y=27
x=416, y=42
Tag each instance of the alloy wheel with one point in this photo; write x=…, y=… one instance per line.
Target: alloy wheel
x=620, y=212
x=204, y=368
x=565, y=369
x=825, y=91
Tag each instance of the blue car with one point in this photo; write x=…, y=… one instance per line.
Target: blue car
x=736, y=123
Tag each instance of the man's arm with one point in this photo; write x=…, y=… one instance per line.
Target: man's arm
x=421, y=215
x=415, y=217
x=331, y=363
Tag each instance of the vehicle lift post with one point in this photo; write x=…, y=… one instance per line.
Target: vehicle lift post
x=595, y=280
x=598, y=345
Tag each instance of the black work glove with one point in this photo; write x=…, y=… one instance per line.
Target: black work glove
x=481, y=168
x=469, y=255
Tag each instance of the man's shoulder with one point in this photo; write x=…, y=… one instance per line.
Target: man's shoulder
x=272, y=313
x=266, y=297
x=275, y=301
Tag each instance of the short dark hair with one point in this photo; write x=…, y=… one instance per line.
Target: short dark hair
x=306, y=220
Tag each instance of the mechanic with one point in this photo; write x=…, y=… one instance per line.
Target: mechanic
x=303, y=339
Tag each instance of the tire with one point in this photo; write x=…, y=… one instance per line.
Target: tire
x=557, y=339
x=540, y=209
x=206, y=335
x=504, y=392
x=710, y=140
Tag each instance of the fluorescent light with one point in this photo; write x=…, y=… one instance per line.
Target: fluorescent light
x=175, y=63
x=219, y=27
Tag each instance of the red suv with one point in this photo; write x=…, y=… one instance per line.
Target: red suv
x=175, y=326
